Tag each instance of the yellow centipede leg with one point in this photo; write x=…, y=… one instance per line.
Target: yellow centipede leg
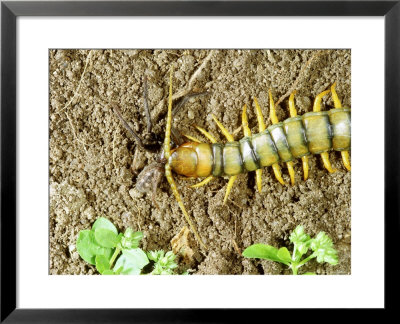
x=168, y=173
x=206, y=134
x=259, y=179
x=261, y=128
x=335, y=97
x=291, y=172
x=224, y=131
x=202, y=183
x=304, y=159
x=229, y=187
x=277, y=172
x=327, y=162
x=318, y=99
x=272, y=111
x=260, y=117
x=292, y=108
x=346, y=160
x=192, y=138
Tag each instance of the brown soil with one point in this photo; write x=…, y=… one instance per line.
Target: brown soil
x=91, y=154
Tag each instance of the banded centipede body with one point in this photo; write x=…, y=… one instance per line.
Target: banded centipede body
x=316, y=132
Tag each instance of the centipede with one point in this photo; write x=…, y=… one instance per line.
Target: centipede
x=313, y=133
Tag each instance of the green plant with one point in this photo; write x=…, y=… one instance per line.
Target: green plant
x=102, y=245
x=321, y=247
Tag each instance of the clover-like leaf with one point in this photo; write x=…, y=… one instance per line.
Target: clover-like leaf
x=102, y=263
x=263, y=251
x=106, y=237
x=88, y=248
x=136, y=257
x=125, y=266
x=323, y=248
x=105, y=224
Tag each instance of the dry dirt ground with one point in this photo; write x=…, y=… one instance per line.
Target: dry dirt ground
x=91, y=153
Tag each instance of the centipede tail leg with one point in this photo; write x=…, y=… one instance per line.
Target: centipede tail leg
x=168, y=173
x=275, y=166
x=317, y=108
x=338, y=104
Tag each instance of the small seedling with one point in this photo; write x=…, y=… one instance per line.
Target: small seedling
x=102, y=245
x=321, y=247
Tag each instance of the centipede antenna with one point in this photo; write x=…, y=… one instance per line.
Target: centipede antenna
x=168, y=173
x=318, y=99
x=126, y=125
x=146, y=105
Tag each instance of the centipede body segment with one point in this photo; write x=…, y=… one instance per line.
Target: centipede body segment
x=316, y=132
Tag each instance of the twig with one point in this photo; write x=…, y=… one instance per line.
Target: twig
x=146, y=105
x=193, y=78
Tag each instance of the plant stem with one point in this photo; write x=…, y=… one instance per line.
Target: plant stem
x=114, y=256
x=294, y=268
x=306, y=260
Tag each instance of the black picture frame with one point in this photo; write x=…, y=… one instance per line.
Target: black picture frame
x=10, y=10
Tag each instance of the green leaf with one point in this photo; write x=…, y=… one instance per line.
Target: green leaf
x=323, y=248
x=130, y=239
x=309, y=274
x=263, y=251
x=105, y=224
x=136, y=257
x=88, y=248
x=284, y=255
x=298, y=236
x=125, y=266
x=102, y=263
x=108, y=272
x=106, y=237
